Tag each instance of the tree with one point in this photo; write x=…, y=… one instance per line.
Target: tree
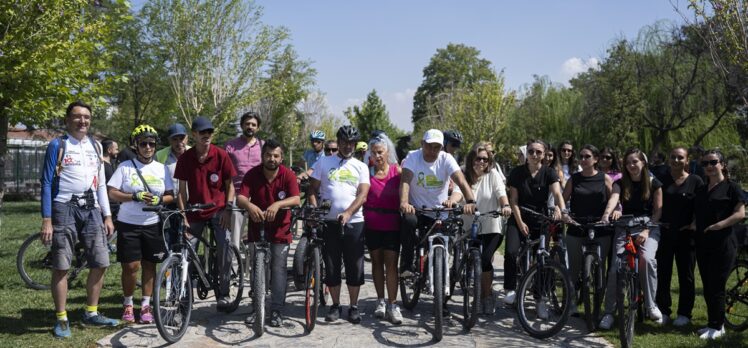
x=455, y=65
x=371, y=116
x=317, y=116
x=52, y=52
x=214, y=52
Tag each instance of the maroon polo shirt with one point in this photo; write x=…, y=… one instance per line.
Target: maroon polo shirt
x=262, y=194
x=205, y=181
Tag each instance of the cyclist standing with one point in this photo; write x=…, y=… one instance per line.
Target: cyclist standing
x=425, y=181
x=74, y=200
x=265, y=190
x=310, y=156
x=138, y=183
x=344, y=181
x=207, y=172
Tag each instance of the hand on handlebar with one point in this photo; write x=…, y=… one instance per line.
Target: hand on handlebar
x=271, y=211
x=642, y=237
x=344, y=217
x=448, y=203
x=256, y=214
x=524, y=229
x=407, y=208
x=468, y=209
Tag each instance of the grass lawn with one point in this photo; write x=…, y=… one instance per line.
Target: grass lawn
x=26, y=315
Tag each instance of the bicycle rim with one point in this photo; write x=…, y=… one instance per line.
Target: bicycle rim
x=172, y=302
x=627, y=307
x=736, y=299
x=589, y=292
x=258, y=292
x=438, y=294
x=472, y=290
x=544, y=299
x=410, y=290
x=34, y=263
x=312, y=291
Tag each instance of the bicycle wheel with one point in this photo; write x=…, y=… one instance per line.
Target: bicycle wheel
x=312, y=290
x=591, y=291
x=627, y=306
x=236, y=278
x=34, y=263
x=258, y=291
x=544, y=299
x=456, y=270
x=471, y=290
x=410, y=287
x=736, y=299
x=299, y=255
x=172, y=300
x=438, y=293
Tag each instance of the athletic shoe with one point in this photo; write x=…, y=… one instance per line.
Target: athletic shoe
x=333, y=314
x=542, y=308
x=654, y=314
x=146, y=317
x=711, y=334
x=353, y=315
x=606, y=322
x=509, y=297
x=128, y=316
x=702, y=330
x=223, y=303
x=99, y=320
x=681, y=321
x=394, y=315
x=381, y=309
x=62, y=329
x=276, y=320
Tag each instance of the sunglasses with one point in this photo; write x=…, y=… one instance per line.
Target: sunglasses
x=678, y=158
x=709, y=163
x=567, y=150
x=147, y=144
x=607, y=158
x=534, y=152
x=585, y=157
x=331, y=149
x=481, y=159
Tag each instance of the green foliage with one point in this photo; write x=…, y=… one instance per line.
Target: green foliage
x=371, y=116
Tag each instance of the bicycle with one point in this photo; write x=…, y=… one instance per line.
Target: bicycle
x=172, y=295
x=545, y=288
x=467, y=269
x=526, y=256
x=432, y=257
x=629, y=295
x=736, y=295
x=312, y=266
x=34, y=261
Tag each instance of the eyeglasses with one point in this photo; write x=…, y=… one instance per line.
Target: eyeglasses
x=147, y=144
x=585, y=157
x=677, y=158
x=709, y=163
x=534, y=152
x=481, y=159
x=331, y=150
x=607, y=157
x=567, y=150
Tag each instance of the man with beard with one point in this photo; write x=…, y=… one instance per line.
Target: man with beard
x=270, y=188
x=245, y=154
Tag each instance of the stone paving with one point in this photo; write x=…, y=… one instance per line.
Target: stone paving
x=212, y=329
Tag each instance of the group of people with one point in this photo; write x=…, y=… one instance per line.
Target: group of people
x=374, y=197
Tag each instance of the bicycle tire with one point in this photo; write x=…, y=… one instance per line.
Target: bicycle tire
x=591, y=291
x=236, y=278
x=456, y=270
x=410, y=289
x=736, y=299
x=258, y=292
x=472, y=290
x=313, y=285
x=544, y=274
x=299, y=255
x=438, y=258
x=627, y=308
x=34, y=263
x=171, y=302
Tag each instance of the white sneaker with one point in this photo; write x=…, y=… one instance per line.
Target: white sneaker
x=394, y=315
x=654, y=314
x=542, y=309
x=702, y=330
x=381, y=308
x=606, y=322
x=711, y=334
x=681, y=321
x=509, y=297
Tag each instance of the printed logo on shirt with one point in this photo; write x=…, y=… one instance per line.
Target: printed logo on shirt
x=342, y=175
x=70, y=161
x=429, y=181
x=282, y=195
x=152, y=181
x=214, y=178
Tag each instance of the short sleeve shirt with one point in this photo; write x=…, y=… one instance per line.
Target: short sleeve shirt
x=713, y=206
x=532, y=192
x=205, y=181
x=263, y=194
x=339, y=179
x=311, y=157
x=244, y=157
x=678, y=200
x=489, y=188
x=430, y=184
x=635, y=205
x=127, y=180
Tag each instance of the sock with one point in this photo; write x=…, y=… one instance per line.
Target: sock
x=62, y=316
x=92, y=310
x=127, y=301
x=145, y=302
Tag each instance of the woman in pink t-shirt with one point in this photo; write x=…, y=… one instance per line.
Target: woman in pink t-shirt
x=382, y=225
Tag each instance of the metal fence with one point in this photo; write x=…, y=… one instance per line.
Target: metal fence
x=23, y=166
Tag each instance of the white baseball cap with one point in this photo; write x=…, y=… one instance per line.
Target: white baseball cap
x=434, y=136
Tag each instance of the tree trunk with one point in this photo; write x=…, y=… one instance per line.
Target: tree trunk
x=657, y=140
x=3, y=150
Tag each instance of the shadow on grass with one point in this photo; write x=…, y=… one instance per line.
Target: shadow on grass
x=20, y=208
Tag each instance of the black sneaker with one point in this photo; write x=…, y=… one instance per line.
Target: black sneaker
x=353, y=315
x=223, y=303
x=333, y=314
x=276, y=320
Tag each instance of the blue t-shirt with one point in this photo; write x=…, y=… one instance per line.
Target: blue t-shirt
x=311, y=157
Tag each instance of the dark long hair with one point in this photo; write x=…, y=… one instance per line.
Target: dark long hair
x=614, y=165
x=595, y=153
x=721, y=158
x=628, y=182
x=572, y=160
x=470, y=175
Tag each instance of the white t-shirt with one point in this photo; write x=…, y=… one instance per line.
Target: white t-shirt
x=487, y=191
x=430, y=184
x=339, y=179
x=126, y=179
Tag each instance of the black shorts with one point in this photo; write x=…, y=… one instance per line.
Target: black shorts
x=136, y=243
x=387, y=240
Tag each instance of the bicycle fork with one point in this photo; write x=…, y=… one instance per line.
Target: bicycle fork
x=444, y=242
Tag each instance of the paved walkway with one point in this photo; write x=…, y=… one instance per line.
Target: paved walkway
x=211, y=329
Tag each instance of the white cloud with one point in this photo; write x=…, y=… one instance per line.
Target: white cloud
x=400, y=107
x=574, y=66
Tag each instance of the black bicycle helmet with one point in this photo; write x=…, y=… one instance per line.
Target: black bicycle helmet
x=348, y=133
x=452, y=136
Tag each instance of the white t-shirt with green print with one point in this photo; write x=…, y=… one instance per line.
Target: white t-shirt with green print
x=339, y=179
x=430, y=184
x=126, y=179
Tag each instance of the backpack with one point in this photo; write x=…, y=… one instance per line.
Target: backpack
x=63, y=147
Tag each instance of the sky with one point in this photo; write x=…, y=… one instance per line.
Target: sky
x=357, y=46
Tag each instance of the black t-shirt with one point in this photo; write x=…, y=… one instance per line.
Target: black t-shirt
x=532, y=192
x=635, y=205
x=713, y=206
x=589, y=196
x=678, y=201
x=660, y=172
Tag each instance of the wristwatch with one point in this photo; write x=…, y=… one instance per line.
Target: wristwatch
x=470, y=201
